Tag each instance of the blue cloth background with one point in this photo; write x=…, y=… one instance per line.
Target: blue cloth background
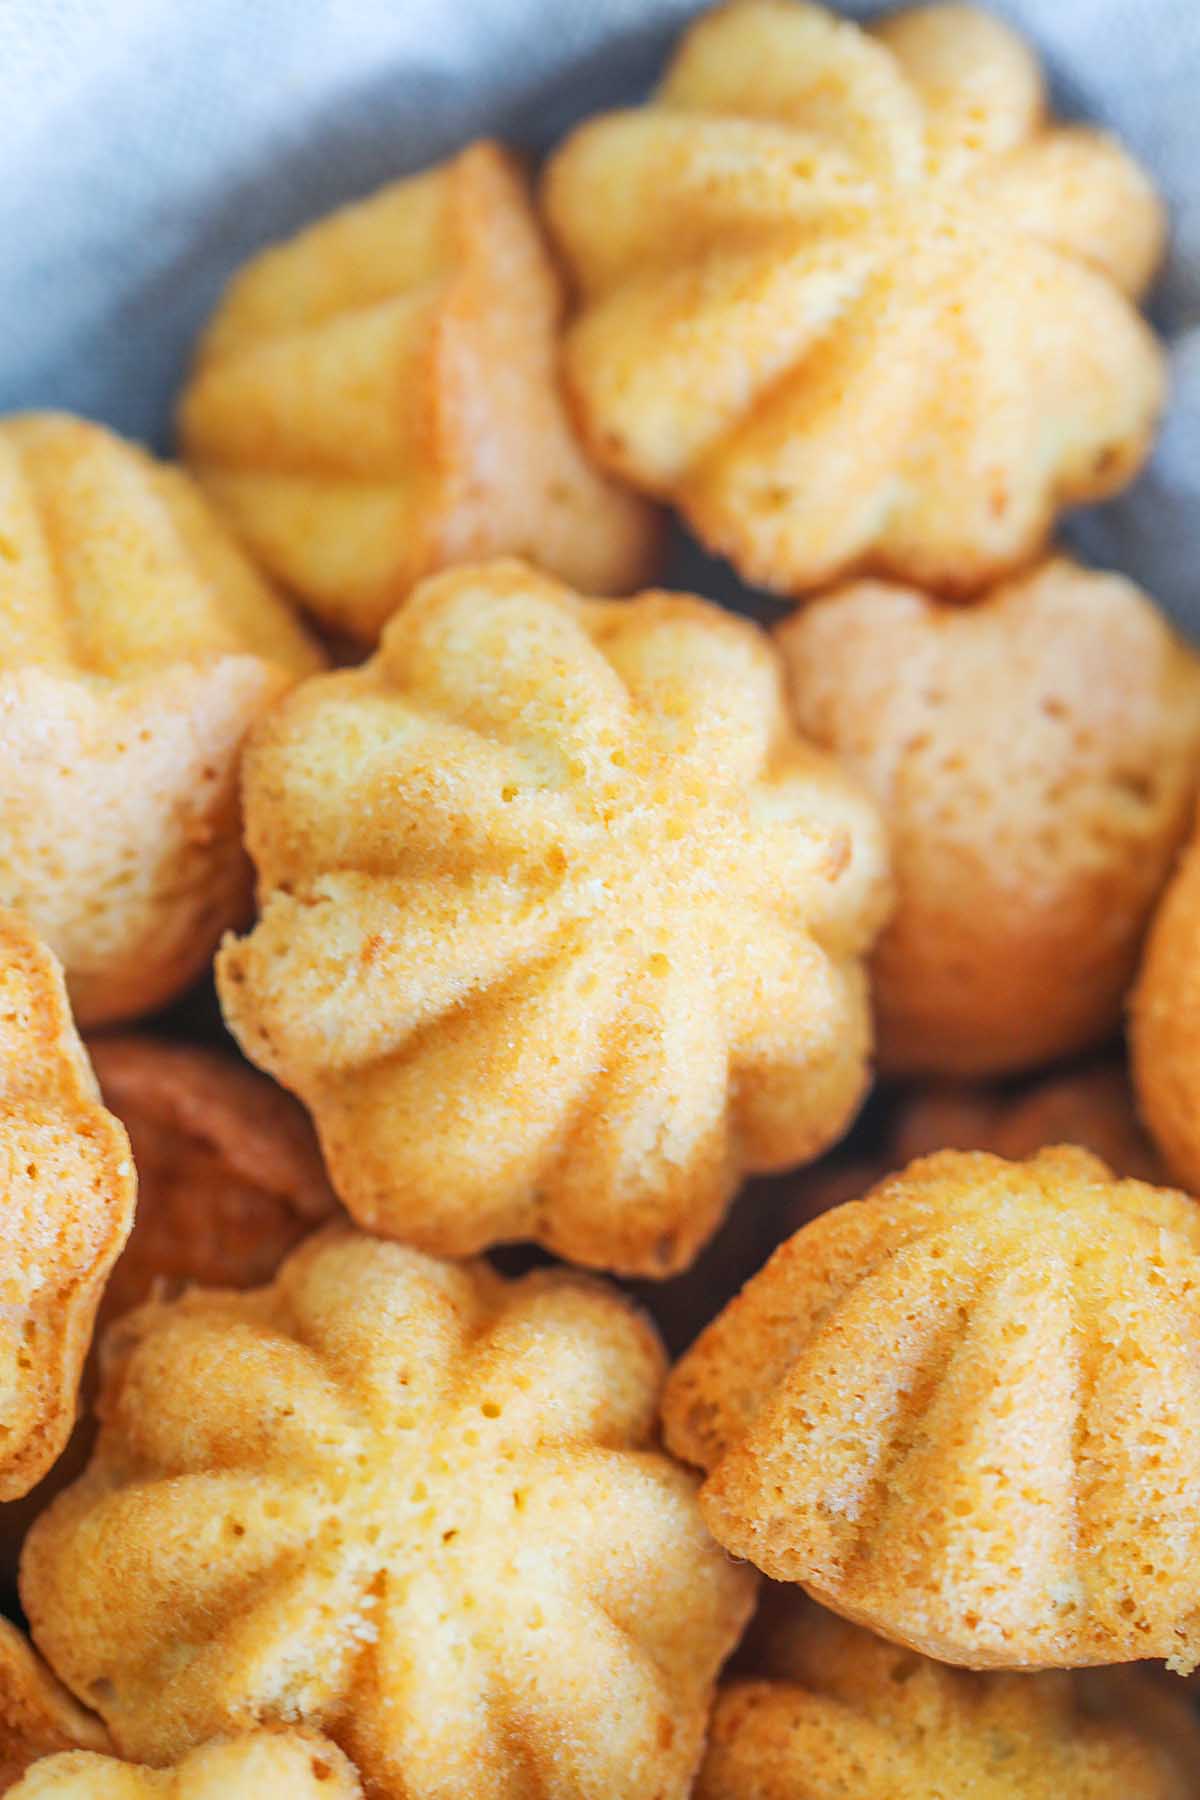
x=147, y=146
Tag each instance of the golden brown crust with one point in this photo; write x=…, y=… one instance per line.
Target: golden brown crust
x=1164, y=1024
x=1035, y=758
x=561, y=927
x=262, y=1765
x=37, y=1716
x=830, y=288
x=67, y=1180
x=379, y=398
x=965, y=1412
x=408, y=1501
x=827, y=1709
x=136, y=648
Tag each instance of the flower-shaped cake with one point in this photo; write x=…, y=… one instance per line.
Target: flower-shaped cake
x=379, y=398
x=403, y=1502
x=67, y=1191
x=848, y=299
x=1035, y=757
x=561, y=927
x=262, y=1765
x=37, y=1716
x=826, y=1709
x=965, y=1412
x=137, y=646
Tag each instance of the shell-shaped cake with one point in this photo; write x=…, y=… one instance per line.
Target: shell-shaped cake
x=137, y=646
x=965, y=1412
x=261, y=1765
x=379, y=397
x=832, y=283
x=408, y=1503
x=67, y=1189
x=1164, y=1024
x=1036, y=758
x=229, y=1173
x=561, y=927
x=825, y=1708
x=38, y=1717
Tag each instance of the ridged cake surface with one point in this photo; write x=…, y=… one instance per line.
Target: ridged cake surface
x=965, y=1412
x=406, y=1503
x=832, y=285
x=378, y=398
x=824, y=1709
x=561, y=926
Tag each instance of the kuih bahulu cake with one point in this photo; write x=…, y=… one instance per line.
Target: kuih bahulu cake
x=261, y=1765
x=820, y=1708
x=1035, y=757
x=965, y=1412
x=67, y=1190
x=405, y=1502
x=137, y=647
x=378, y=398
x=850, y=299
x=561, y=927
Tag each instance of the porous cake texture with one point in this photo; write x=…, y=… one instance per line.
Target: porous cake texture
x=38, y=1717
x=261, y=1765
x=67, y=1189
